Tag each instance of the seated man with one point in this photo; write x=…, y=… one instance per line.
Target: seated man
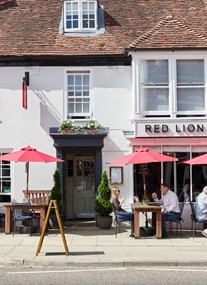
x=201, y=207
x=170, y=203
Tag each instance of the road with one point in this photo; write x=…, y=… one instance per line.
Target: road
x=103, y=276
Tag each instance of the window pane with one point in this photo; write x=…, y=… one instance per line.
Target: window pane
x=190, y=99
x=85, y=93
x=155, y=99
x=190, y=72
x=78, y=108
x=92, y=24
x=70, y=108
x=71, y=79
x=154, y=72
x=75, y=24
x=86, y=105
x=78, y=80
x=86, y=108
x=86, y=80
x=91, y=6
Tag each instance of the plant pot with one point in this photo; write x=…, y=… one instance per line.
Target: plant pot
x=67, y=131
x=91, y=131
x=104, y=222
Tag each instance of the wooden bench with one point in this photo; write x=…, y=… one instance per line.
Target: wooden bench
x=38, y=197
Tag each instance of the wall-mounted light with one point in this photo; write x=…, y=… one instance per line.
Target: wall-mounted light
x=25, y=83
x=26, y=78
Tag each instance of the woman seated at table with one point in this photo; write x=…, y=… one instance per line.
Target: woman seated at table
x=117, y=202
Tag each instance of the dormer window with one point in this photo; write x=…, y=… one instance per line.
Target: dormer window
x=80, y=15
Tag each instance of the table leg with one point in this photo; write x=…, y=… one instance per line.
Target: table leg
x=158, y=224
x=8, y=220
x=136, y=224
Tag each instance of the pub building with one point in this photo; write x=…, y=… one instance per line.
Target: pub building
x=141, y=75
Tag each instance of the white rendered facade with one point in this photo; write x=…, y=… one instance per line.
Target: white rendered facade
x=111, y=106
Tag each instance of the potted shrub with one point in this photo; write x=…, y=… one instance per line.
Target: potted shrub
x=103, y=205
x=67, y=127
x=56, y=194
x=92, y=126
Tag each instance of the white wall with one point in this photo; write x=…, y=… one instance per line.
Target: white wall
x=20, y=127
x=112, y=107
x=112, y=87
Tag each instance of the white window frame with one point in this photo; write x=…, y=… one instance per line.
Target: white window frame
x=78, y=70
x=9, y=178
x=80, y=16
x=191, y=112
x=172, y=113
x=154, y=87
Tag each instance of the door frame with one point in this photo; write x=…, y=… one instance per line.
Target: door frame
x=78, y=144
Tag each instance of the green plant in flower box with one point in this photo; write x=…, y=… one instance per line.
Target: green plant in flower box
x=67, y=125
x=92, y=125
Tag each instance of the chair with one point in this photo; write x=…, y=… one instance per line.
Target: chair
x=24, y=216
x=178, y=221
x=38, y=196
x=118, y=220
x=194, y=220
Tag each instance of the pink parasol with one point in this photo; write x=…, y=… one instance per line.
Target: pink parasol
x=28, y=154
x=142, y=156
x=201, y=159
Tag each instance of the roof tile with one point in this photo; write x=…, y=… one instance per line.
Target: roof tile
x=169, y=33
x=32, y=27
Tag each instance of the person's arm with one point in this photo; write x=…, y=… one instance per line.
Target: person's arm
x=116, y=204
x=173, y=202
x=205, y=200
x=205, y=203
x=154, y=196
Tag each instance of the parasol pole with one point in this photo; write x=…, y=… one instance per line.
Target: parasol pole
x=27, y=180
x=191, y=177
x=145, y=194
x=144, y=183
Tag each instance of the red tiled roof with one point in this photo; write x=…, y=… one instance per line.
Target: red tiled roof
x=170, y=33
x=32, y=27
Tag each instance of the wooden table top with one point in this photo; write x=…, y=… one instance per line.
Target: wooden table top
x=22, y=205
x=146, y=207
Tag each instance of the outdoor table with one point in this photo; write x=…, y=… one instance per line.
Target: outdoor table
x=147, y=208
x=10, y=206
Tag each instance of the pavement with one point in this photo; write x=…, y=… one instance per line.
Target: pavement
x=90, y=246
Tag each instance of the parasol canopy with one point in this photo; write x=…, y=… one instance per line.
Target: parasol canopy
x=201, y=159
x=28, y=154
x=142, y=156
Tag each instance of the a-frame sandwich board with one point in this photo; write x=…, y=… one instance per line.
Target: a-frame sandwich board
x=55, y=206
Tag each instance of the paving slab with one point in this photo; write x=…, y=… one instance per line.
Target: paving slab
x=90, y=246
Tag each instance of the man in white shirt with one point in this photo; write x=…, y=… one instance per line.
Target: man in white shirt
x=201, y=207
x=170, y=203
